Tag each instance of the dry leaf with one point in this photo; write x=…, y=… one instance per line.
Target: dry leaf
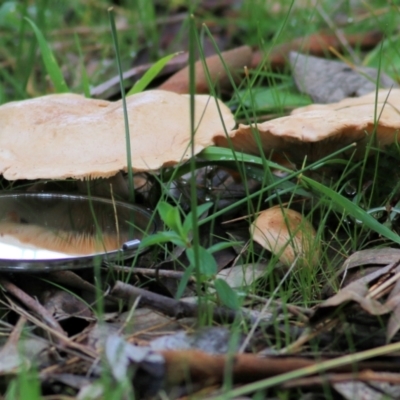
x=356, y=291
x=318, y=130
x=358, y=390
x=393, y=302
x=241, y=276
x=287, y=234
x=328, y=81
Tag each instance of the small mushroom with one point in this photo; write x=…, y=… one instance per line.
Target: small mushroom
x=318, y=130
x=288, y=235
x=69, y=136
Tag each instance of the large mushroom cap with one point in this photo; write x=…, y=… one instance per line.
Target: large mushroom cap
x=68, y=136
x=318, y=130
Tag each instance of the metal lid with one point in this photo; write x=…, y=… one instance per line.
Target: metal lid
x=46, y=231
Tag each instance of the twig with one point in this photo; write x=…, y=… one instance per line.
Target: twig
x=165, y=273
x=33, y=305
x=64, y=342
x=364, y=376
x=16, y=332
x=174, y=308
x=71, y=279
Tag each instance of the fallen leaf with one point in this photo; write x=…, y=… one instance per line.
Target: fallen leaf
x=241, y=276
x=393, y=302
x=358, y=390
x=356, y=291
x=329, y=81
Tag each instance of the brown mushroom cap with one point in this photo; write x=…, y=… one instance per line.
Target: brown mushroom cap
x=69, y=136
x=318, y=130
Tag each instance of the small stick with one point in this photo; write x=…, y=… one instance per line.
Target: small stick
x=33, y=305
x=363, y=376
x=165, y=273
x=14, y=336
x=70, y=278
x=171, y=307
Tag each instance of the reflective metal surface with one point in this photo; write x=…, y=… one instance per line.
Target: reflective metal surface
x=47, y=232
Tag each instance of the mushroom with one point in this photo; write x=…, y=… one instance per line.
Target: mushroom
x=288, y=235
x=316, y=131
x=69, y=136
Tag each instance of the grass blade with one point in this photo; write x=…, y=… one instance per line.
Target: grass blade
x=150, y=74
x=352, y=209
x=126, y=119
x=49, y=60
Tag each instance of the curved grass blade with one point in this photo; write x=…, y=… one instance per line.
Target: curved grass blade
x=352, y=209
x=150, y=74
x=49, y=60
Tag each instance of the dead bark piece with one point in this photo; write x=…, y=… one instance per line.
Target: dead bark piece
x=198, y=367
x=316, y=44
x=209, y=369
x=328, y=81
x=220, y=74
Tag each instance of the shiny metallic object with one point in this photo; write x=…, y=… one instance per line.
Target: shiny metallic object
x=47, y=231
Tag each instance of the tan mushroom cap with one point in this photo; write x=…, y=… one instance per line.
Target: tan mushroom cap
x=287, y=234
x=69, y=136
x=318, y=130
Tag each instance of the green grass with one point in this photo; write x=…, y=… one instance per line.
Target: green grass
x=68, y=34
